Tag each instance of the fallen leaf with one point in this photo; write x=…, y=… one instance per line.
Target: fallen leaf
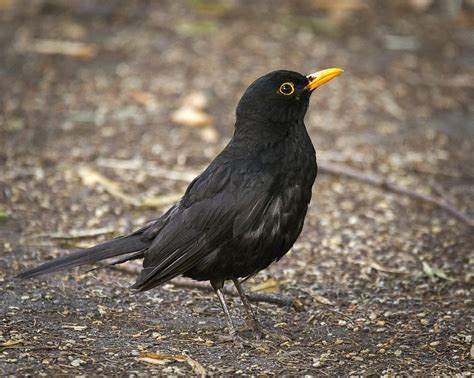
x=6, y=5
x=268, y=286
x=10, y=343
x=341, y=10
x=143, y=98
x=196, y=100
x=186, y=27
x=192, y=117
x=92, y=178
x=323, y=300
x=56, y=47
x=377, y=266
x=163, y=359
x=198, y=369
x=209, y=135
x=432, y=273
x=154, y=361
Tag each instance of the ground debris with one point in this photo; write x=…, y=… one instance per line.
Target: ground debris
x=401, y=111
x=75, y=327
x=164, y=359
x=323, y=300
x=90, y=177
x=57, y=47
x=434, y=273
x=10, y=344
x=268, y=286
x=77, y=233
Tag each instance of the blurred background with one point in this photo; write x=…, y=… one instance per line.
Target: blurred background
x=109, y=108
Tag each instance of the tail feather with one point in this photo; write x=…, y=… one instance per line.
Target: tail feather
x=136, y=255
x=131, y=244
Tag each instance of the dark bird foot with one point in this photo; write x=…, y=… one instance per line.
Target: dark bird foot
x=252, y=320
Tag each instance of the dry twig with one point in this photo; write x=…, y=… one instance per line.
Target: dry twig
x=92, y=178
x=372, y=179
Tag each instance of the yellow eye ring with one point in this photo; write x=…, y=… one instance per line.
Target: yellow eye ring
x=287, y=89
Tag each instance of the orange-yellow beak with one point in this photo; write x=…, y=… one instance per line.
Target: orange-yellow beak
x=322, y=77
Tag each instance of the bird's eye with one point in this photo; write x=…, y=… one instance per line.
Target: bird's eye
x=287, y=89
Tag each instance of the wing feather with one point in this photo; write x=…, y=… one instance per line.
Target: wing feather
x=217, y=206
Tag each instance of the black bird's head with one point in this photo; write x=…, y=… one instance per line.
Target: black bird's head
x=280, y=98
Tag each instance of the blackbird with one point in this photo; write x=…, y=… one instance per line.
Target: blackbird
x=242, y=213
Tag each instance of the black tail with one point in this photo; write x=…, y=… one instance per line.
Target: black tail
x=131, y=244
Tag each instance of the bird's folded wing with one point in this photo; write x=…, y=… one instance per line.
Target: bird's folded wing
x=216, y=205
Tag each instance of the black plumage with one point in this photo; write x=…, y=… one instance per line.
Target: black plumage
x=244, y=211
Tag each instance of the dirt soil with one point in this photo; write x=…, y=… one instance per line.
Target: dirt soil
x=89, y=150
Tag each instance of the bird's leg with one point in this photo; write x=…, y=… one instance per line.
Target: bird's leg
x=248, y=309
x=217, y=286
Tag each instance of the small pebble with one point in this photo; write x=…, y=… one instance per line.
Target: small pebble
x=77, y=362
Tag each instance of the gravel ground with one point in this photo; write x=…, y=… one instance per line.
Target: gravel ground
x=94, y=144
